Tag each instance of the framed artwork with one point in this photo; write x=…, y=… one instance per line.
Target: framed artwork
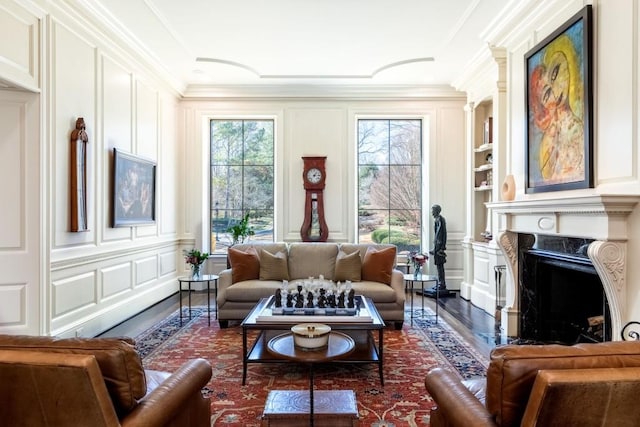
x=134, y=190
x=559, y=108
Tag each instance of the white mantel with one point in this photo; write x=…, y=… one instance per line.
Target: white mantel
x=599, y=217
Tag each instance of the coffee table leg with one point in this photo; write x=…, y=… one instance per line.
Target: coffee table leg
x=244, y=355
x=311, y=394
x=381, y=355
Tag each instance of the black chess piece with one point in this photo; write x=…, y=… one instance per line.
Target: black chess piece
x=299, y=301
x=289, y=300
x=351, y=298
x=341, y=300
x=278, y=298
x=322, y=299
x=310, y=299
x=331, y=301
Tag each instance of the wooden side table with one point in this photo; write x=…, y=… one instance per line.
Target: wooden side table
x=205, y=278
x=339, y=345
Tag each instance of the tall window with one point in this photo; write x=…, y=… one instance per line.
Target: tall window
x=390, y=182
x=242, y=179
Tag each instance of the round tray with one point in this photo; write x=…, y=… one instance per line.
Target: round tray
x=339, y=345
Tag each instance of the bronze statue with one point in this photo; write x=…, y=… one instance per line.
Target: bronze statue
x=438, y=252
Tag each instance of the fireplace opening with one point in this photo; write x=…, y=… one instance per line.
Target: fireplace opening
x=562, y=299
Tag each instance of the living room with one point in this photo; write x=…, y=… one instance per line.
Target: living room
x=69, y=61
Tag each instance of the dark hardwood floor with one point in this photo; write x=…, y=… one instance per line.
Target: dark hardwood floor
x=475, y=325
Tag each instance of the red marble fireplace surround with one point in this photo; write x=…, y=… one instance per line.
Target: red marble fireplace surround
x=600, y=218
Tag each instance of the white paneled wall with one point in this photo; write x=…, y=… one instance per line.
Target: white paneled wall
x=317, y=127
x=53, y=281
x=20, y=229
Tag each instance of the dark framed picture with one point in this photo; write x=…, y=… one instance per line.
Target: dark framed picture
x=559, y=107
x=134, y=190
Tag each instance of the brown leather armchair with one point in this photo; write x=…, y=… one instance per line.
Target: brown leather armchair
x=584, y=384
x=95, y=382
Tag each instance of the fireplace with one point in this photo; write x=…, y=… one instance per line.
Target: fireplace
x=562, y=299
x=575, y=251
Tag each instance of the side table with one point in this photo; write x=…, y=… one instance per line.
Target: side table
x=422, y=279
x=205, y=278
x=339, y=345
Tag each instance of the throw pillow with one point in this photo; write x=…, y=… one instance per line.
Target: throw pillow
x=378, y=264
x=273, y=267
x=348, y=267
x=245, y=265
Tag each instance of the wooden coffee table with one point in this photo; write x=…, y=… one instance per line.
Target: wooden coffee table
x=367, y=347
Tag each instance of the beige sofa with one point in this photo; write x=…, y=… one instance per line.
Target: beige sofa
x=258, y=270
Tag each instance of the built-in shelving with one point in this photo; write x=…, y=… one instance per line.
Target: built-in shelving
x=482, y=167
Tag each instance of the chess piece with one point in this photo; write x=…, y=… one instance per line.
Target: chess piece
x=310, y=299
x=322, y=299
x=278, y=298
x=351, y=298
x=341, y=300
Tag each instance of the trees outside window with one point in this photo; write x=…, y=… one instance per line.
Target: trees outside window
x=241, y=179
x=390, y=182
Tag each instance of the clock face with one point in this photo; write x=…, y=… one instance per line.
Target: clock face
x=314, y=175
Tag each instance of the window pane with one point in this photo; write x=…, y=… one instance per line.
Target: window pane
x=258, y=143
x=374, y=187
x=258, y=185
x=226, y=142
x=373, y=142
x=405, y=187
x=405, y=142
x=372, y=225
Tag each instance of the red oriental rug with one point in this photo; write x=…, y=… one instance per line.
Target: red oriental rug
x=409, y=354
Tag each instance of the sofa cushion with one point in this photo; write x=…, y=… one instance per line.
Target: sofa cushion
x=348, y=267
x=513, y=370
x=377, y=291
x=117, y=358
x=245, y=264
x=312, y=260
x=378, y=264
x=252, y=290
x=273, y=266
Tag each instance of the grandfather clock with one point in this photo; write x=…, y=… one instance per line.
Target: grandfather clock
x=314, y=228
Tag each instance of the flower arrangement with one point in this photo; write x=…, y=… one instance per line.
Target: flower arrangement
x=195, y=258
x=418, y=259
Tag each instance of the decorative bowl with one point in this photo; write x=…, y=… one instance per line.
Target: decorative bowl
x=311, y=336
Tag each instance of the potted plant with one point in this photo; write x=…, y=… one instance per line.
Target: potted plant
x=241, y=230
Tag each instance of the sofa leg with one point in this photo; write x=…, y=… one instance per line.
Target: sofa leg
x=398, y=325
x=223, y=324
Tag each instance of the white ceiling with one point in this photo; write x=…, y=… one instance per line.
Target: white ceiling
x=311, y=42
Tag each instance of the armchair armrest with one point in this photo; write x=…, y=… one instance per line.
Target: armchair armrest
x=177, y=400
x=456, y=405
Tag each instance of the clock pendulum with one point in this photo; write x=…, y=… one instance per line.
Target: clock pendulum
x=314, y=228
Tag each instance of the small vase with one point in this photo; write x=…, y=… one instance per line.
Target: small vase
x=417, y=271
x=195, y=271
x=508, y=190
